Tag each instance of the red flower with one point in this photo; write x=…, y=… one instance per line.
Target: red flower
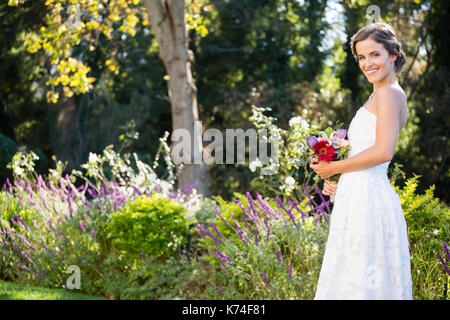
x=324, y=150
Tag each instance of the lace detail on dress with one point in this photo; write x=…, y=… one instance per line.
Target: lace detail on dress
x=367, y=252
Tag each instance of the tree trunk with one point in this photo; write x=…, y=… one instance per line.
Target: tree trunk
x=63, y=132
x=167, y=18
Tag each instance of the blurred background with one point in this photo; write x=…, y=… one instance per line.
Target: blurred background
x=291, y=56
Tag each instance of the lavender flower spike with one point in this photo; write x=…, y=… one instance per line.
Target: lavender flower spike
x=263, y=276
x=446, y=250
x=290, y=270
x=213, y=225
x=278, y=256
x=444, y=264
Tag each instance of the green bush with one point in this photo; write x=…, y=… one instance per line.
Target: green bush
x=285, y=265
x=153, y=279
x=428, y=223
x=10, y=208
x=256, y=271
x=156, y=225
x=229, y=208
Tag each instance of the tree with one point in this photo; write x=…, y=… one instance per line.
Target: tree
x=167, y=18
x=72, y=29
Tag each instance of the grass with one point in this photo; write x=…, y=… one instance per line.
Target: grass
x=19, y=291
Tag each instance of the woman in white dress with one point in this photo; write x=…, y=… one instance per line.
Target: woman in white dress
x=367, y=252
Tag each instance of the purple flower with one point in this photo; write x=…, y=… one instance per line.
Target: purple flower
x=264, y=279
x=3, y=240
x=446, y=250
x=444, y=264
x=70, y=206
x=93, y=193
x=207, y=233
x=239, y=229
x=219, y=257
x=27, y=256
x=289, y=212
x=224, y=256
x=43, y=246
x=82, y=226
x=35, y=274
x=28, y=244
x=220, y=216
x=311, y=140
x=278, y=256
x=290, y=270
x=142, y=255
x=340, y=134
x=213, y=225
x=15, y=247
x=93, y=233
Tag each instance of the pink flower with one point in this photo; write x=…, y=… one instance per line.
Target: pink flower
x=82, y=226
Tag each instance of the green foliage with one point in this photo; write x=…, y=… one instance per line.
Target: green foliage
x=153, y=224
x=10, y=209
x=8, y=148
x=428, y=222
x=205, y=211
x=294, y=276
x=155, y=279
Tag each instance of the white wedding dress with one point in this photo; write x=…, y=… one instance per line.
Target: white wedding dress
x=367, y=251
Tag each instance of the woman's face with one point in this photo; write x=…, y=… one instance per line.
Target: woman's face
x=374, y=60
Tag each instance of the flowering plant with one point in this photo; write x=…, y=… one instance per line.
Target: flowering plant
x=330, y=146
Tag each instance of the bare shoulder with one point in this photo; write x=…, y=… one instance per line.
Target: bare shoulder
x=392, y=97
x=392, y=100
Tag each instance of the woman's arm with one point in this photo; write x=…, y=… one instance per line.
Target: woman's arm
x=388, y=107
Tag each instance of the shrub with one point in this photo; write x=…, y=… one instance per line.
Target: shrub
x=272, y=254
x=151, y=225
x=428, y=223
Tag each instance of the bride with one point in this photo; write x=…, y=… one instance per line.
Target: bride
x=367, y=252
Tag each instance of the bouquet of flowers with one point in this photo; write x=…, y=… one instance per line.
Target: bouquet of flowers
x=330, y=146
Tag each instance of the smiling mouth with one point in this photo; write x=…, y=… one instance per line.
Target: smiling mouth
x=371, y=72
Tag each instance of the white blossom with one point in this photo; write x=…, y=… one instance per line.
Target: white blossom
x=294, y=121
x=93, y=157
x=255, y=164
x=165, y=187
x=289, y=181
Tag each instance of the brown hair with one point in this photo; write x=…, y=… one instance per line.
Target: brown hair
x=384, y=34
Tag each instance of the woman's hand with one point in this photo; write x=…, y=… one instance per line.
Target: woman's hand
x=328, y=189
x=323, y=169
